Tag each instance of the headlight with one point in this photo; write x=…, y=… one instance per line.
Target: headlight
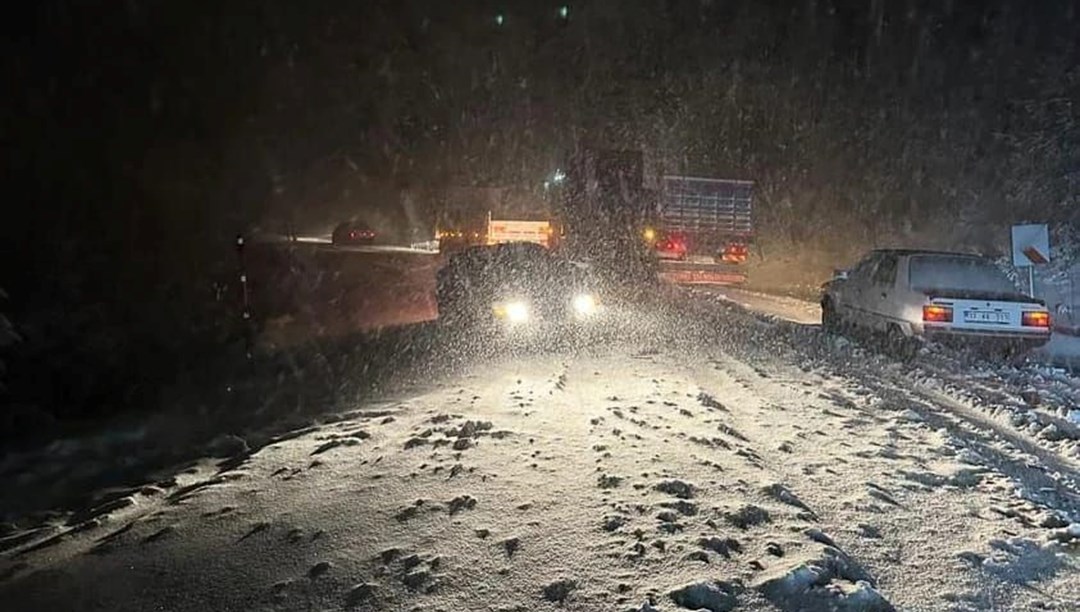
x=584, y=304
x=516, y=311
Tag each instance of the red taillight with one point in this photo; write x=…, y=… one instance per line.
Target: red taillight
x=352, y=233
x=937, y=314
x=1036, y=318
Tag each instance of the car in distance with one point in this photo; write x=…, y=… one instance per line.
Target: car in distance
x=514, y=287
x=907, y=296
x=353, y=233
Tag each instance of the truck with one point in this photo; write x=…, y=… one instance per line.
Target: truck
x=696, y=230
x=604, y=203
x=502, y=231
x=701, y=229
x=472, y=216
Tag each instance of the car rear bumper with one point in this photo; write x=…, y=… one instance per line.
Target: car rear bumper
x=1026, y=340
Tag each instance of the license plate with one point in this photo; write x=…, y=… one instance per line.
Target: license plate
x=981, y=316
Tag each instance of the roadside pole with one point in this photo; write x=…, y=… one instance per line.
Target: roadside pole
x=1030, y=248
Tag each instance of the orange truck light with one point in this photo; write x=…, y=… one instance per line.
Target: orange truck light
x=735, y=253
x=937, y=314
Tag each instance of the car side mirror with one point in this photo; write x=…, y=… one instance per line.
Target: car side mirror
x=841, y=274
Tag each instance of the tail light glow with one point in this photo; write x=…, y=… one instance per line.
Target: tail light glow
x=933, y=313
x=1036, y=318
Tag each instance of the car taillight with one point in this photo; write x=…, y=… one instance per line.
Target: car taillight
x=937, y=314
x=1035, y=318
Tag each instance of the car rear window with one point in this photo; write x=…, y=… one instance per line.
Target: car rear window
x=942, y=272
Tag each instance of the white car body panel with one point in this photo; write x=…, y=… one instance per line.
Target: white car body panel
x=878, y=294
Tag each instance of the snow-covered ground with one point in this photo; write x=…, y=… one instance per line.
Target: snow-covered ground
x=1062, y=350
x=697, y=456
x=783, y=307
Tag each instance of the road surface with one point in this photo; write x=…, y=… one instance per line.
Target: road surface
x=692, y=455
x=786, y=308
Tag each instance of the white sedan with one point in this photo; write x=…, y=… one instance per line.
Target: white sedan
x=908, y=295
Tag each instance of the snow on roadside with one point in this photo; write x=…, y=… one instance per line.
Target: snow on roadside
x=1063, y=351
x=1037, y=397
x=1027, y=407
x=542, y=485
x=725, y=466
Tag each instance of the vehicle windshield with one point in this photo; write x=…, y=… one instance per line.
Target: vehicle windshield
x=945, y=272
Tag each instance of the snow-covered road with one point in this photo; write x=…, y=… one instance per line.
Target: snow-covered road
x=787, y=308
x=699, y=457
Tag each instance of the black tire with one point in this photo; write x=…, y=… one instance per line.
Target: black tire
x=898, y=345
x=830, y=319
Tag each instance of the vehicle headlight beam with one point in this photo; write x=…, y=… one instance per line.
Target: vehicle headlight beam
x=517, y=311
x=584, y=304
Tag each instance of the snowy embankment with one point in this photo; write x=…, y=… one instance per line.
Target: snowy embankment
x=704, y=458
x=1063, y=350
x=1038, y=396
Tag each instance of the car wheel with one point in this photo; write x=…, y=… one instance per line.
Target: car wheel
x=899, y=345
x=830, y=319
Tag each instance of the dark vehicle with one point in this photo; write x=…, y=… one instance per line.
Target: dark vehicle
x=604, y=205
x=514, y=286
x=353, y=233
